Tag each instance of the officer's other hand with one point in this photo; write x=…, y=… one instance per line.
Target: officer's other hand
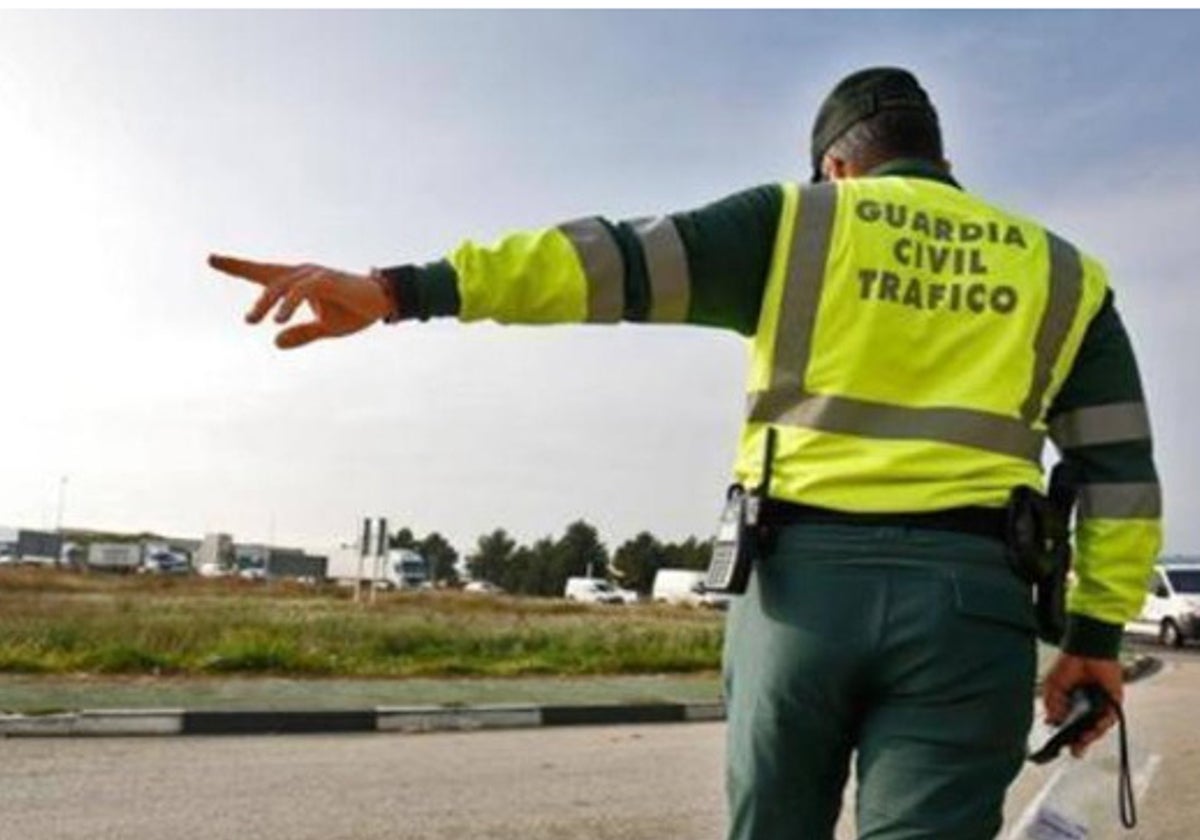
x=1069, y=672
x=341, y=303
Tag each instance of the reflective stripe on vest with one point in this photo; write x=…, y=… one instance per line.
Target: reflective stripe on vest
x=785, y=401
x=1114, y=423
x=602, y=266
x=1066, y=291
x=667, y=269
x=1120, y=501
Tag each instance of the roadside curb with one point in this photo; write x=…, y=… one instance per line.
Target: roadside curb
x=406, y=719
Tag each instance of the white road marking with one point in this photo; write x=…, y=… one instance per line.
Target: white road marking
x=1141, y=779
x=1021, y=830
x=1141, y=783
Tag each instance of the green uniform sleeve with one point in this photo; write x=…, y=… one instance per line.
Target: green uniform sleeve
x=706, y=267
x=1100, y=425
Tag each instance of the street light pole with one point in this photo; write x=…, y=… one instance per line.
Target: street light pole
x=62, y=497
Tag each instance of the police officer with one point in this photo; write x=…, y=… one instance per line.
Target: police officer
x=913, y=347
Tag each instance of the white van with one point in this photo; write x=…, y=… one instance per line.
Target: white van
x=1172, y=608
x=592, y=591
x=685, y=586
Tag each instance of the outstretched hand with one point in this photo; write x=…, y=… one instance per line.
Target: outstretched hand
x=341, y=303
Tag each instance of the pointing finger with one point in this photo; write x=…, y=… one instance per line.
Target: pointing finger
x=255, y=272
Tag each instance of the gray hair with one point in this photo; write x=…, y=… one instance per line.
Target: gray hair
x=889, y=135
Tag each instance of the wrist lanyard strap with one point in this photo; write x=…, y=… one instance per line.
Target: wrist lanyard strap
x=1125, y=795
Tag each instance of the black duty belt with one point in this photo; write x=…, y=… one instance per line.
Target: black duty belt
x=977, y=521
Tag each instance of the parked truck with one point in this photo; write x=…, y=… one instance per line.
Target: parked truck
x=114, y=557
x=400, y=568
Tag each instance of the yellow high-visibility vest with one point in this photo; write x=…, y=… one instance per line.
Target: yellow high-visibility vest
x=910, y=341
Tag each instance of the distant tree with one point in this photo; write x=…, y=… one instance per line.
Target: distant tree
x=540, y=576
x=404, y=538
x=441, y=557
x=577, y=553
x=637, y=561
x=492, y=557
x=689, y=554
x=520, y=573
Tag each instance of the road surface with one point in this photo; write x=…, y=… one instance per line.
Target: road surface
x=608, y=783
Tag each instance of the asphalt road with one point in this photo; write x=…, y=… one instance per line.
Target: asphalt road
x=609, y=783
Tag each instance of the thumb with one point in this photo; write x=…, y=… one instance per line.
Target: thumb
x=300, y=335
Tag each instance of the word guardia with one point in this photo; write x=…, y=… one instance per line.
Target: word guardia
x=938, y=246
x=900, y=217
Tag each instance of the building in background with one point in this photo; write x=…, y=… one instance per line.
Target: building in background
x=24, y=545
x=8, y=545
x=266, y=562
x=215, y=556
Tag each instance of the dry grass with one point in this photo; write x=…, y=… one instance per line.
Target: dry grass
x=60, y=622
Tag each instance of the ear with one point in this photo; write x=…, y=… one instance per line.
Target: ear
x=834, y=168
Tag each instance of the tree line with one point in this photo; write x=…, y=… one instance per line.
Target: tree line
x=543, y=567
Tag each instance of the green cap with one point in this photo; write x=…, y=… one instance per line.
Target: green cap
x=862, y=95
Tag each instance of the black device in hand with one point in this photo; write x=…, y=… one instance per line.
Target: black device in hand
x=1088, y=704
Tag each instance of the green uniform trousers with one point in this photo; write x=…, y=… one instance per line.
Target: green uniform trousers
x=910, y=650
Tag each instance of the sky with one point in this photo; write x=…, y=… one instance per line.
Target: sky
x=134, y=144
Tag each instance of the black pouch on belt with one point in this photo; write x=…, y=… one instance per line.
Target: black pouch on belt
x=1039, y=547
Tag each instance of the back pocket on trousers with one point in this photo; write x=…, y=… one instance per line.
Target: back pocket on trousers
x=1002, y=602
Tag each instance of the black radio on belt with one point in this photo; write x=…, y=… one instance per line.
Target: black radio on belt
x=1039, y=545
x=740, y=533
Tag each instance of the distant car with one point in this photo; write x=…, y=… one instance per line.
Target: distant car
x=592, y=591
x=484, y=587
x=629, y=596
x=1172, y=608
x=685, y=586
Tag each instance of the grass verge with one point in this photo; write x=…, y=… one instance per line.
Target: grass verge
x=63, y=623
